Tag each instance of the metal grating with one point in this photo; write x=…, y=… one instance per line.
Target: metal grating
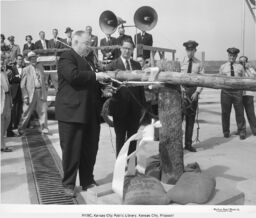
x=45, y=170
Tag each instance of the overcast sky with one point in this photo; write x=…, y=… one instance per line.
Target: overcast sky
x=214, y=24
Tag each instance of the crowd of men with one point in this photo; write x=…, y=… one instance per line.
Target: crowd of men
x=79, y=97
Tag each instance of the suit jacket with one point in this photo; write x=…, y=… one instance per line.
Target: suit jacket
x=66, y=42
x=57, y=45
x=14, y=80
x=78, y=97
x=38, y=44
x=27, y=83
x=26, y=47
x=2, y=90
x=14, y=52
x=112, y=41
x=122, y=101
x=146, y=40
x=121, y=38
x=94, y=40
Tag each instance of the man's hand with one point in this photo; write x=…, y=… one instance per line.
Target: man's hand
x=26, y=101
x=194, y=97
x=100, y=76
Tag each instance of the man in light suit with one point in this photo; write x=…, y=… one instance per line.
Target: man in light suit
x=6, y=104
x=34, y=94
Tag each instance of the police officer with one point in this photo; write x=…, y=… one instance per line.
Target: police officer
x=190, y=65
x=232, y=97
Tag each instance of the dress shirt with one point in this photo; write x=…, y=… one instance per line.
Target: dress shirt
x=37, y=77
x=197, y=68
x=225, y=69
x=44, y=44
x=124, y=62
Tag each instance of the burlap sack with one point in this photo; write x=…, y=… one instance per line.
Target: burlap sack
x=153, y=167
x=144, y=190
x=192, y=188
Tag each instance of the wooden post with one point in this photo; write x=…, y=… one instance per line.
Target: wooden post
x=170, y=147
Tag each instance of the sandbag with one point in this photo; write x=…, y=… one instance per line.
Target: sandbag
x=144, y=190
x=153, y=167
x=192, y=188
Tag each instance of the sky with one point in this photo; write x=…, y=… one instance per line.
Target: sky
x=214, y=24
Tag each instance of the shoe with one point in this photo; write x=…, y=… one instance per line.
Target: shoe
x=242, y=136
x=226, y=135
x=70, y=192
x=11, y=134
x=45, y=131
x=6, y=149
x=92, y=185
x=190, y=148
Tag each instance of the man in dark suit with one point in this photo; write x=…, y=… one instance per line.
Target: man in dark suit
x=126, y=104
x=55, y=42
x=78, y=113
x=108, y=54
x=14, y=79
x=93, y=42
x=145, y=39
x=42, y=43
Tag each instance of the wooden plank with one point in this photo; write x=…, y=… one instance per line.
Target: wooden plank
x=210, y=81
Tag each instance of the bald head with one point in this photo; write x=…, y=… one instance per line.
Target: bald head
x=88, y=29
x=81, y=43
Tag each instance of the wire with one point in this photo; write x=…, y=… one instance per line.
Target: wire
x=111, y=139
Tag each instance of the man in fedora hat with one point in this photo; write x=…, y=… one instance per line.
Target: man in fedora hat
x=68, y=40
x=232, y=97
x=190, y=65
x=14, y=49
x=33, y=93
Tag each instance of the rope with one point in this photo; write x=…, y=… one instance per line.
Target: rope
x=198, y=126
x=111, y=140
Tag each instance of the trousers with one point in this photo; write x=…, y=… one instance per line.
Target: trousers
x=189, y=114
x=38, y=105
x=79, y=145
x=5, y=118
x=229, y=98
x=248, y=103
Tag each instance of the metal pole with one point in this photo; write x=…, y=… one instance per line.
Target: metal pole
x=243, y=27
x=136, y=43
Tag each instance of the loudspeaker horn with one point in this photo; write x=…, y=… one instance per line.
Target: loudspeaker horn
x=145, y=18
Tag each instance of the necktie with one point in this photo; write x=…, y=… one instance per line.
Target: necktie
x=232, y=69
x=190, y=66
x=127, y=65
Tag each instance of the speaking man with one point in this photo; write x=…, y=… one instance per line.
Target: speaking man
x=126, y=103
x=78, y=113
